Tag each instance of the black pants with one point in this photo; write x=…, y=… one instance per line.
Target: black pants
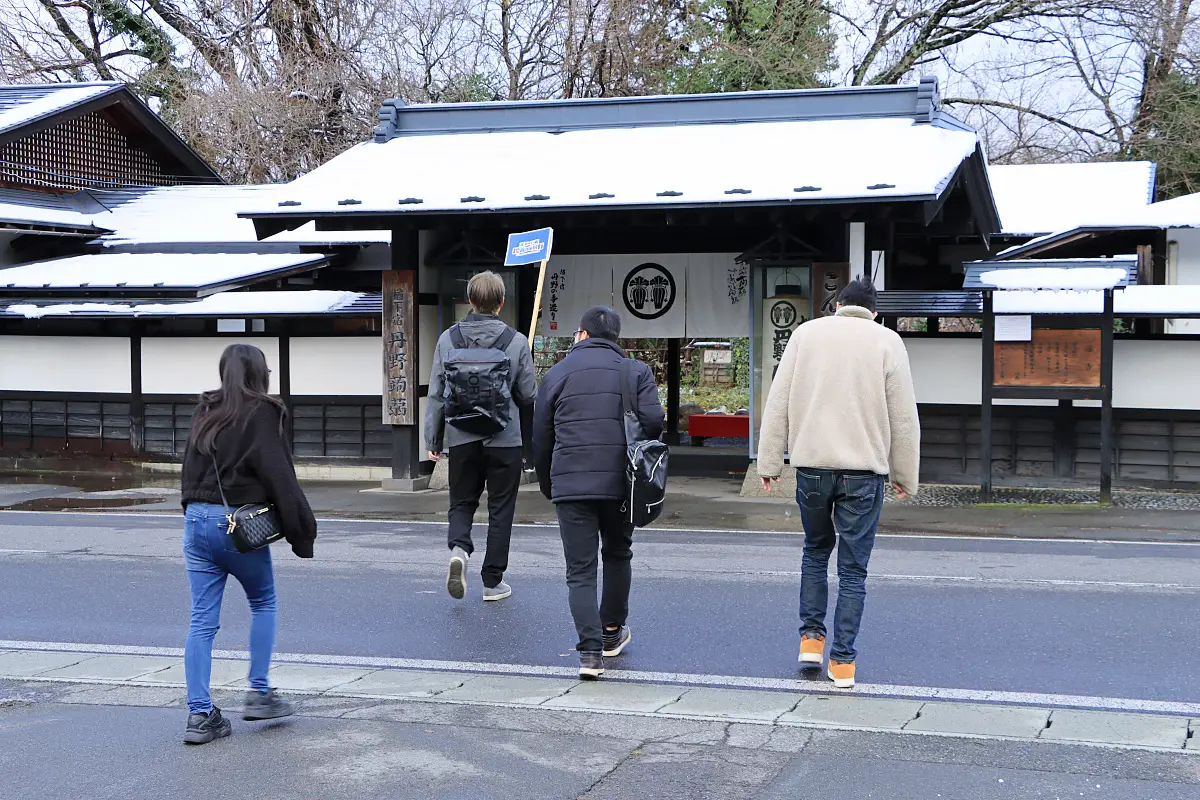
x=473, y=467
x=581, y=524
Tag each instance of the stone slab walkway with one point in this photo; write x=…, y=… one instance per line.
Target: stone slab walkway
x=126, y=674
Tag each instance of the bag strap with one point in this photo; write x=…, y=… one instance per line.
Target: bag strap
x=505, y=339
x=220, y=488
x=456, y=338
x=626, y=381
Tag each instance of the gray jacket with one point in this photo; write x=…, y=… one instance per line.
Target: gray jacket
x=480, y=330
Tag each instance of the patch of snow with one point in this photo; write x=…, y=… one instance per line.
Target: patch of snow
x=1043, y=198
x=51, y=102
x=147, y=270
x=21, y=214
x=233, y=304
x=1080, y=279
x=204, y=215
x=829, y=159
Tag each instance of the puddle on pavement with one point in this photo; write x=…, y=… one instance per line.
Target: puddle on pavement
x=81, y=503
x=90, y=481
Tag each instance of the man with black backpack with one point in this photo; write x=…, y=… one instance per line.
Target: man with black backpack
x=582, y=453
x=482, y=372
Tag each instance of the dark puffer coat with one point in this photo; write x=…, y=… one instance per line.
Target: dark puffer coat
x=578, y=435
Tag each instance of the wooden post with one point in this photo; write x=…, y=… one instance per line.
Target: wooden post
x=674, y=355
x=985, y=408
x=401, y=346
x=1107, y=436
x=537, y=302
x=137, y=403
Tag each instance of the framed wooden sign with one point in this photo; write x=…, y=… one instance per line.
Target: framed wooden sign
x=399, y=348
x=1054, y=358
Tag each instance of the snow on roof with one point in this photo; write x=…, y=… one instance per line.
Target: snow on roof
x=203, y=215
x=23, y=215
x=1181, y=212
x=1042, y=198
x=150, y=271
x=1078, y=279
x=223, y=304
x=680, y=164
x=1153, y=300
x=22, y=104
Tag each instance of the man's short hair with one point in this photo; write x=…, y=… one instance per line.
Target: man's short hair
x=485, y=292
x=601, y=322
x=859, y=292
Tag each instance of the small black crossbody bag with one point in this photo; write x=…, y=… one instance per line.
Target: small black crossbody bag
x=252, y=526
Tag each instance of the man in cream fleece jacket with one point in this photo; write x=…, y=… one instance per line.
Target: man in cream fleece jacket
x=842, y=406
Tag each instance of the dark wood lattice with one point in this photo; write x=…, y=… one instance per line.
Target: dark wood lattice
x=88, y=151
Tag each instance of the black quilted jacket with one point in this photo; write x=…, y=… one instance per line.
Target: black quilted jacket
x=578, y=436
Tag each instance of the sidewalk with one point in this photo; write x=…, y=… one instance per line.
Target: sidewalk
x=692, y=504
x=154, y=676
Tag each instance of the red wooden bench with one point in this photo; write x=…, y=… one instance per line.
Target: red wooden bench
x=718, y=426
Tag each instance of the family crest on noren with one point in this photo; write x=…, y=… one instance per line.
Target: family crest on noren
x=841, y=408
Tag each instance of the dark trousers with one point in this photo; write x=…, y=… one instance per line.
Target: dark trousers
x=583, y=525
x=472, y=468
x=841, y=508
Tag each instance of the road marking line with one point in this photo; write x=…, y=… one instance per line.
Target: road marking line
x=7, y=550
x=550, y=526
x=681, y=678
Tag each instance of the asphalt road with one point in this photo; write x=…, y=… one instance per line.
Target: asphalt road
x=1085, y=618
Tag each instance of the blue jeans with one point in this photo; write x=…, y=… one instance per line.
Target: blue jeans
x=211, y=558
x=837, y=505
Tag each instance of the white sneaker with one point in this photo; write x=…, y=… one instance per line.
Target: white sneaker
x=498, y=592
x=456, y=580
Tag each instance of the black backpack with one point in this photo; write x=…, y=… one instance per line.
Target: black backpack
x=646, y=459
x=476, y=389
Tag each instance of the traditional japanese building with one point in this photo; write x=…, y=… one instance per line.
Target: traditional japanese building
x=710, y=217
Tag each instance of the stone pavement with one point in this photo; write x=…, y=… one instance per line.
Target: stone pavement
x=156, y=679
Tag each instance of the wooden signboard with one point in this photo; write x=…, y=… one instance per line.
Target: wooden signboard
x=399, y=348
x=828, y=280
x=1056, y=358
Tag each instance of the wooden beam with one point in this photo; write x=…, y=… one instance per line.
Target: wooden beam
x=985, y=409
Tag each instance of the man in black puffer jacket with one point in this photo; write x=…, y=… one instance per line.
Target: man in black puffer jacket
x=579, y=447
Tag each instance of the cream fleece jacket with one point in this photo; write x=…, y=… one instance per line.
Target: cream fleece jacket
x=843, y=399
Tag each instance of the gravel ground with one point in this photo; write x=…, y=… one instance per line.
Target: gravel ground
x=944, y=496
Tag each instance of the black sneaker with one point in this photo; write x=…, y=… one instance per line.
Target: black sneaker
x=591, y=666
x=203, y=728
x=616, y=641
x=261, y=706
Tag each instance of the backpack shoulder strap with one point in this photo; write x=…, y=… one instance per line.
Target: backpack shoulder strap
x=456, y=338
x=627, y=377
x=505, y=339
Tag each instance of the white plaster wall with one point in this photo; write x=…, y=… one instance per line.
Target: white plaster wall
x=189, y=365
x=1146, y=374
x=1183, y=266
x=1156, y=374
x=64, y=364
x=946, y=370
x=343, y=365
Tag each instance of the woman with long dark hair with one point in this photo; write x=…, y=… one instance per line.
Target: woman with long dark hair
x=237, y=448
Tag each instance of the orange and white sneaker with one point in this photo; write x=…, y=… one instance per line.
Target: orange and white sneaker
x=812, y=649
x=841, y=674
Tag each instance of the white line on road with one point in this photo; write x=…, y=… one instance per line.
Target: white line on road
x=682, y=678
x=549, y=526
